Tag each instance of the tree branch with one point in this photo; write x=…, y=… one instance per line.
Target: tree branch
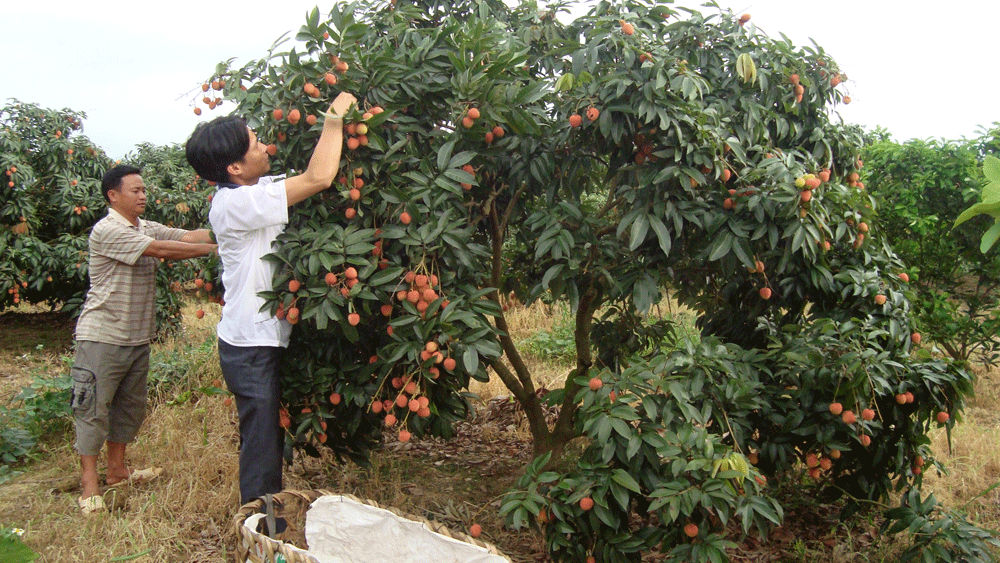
x=511, y=205
x=510, y=350
x=590, y=300
x=509, y=380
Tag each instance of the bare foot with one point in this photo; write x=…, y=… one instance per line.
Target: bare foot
x=88, y=484
x=88, y=491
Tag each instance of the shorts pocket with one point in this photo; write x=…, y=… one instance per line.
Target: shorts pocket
x=83, y=398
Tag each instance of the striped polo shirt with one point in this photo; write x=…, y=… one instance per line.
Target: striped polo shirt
x=120, y=307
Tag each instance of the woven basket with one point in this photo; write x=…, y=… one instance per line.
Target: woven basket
x=292, y=505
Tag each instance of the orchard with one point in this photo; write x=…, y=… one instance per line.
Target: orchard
x=920, y=188
x=635, y=154
x=177, y=197
x=632, y=154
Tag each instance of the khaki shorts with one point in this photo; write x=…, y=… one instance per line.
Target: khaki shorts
x=109, y=394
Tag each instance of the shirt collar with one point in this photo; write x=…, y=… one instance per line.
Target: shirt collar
x=116, y=216
x=261, y=180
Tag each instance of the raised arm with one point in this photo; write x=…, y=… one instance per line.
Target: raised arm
x=325, y=160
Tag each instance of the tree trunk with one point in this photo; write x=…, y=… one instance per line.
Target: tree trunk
x=517, y=378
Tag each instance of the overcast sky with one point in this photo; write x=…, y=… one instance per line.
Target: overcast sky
x=917, y=68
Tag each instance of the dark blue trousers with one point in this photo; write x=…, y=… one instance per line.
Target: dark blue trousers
x=252, y=376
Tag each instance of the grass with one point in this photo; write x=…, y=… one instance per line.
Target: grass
x=544, y=334
x=971, y=456
x=32, y=341
x=191, y=431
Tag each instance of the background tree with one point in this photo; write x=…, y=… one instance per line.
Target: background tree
x=48, y=200
x=921, y=186
x=50, y=197
x=177, y=197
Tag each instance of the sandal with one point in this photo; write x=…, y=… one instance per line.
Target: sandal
x=91, y=505
x=139, y=476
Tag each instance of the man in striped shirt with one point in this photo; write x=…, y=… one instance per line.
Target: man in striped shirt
x=115, y=328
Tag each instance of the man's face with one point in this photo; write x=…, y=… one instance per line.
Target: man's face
x=130, y=198
x=255, y=161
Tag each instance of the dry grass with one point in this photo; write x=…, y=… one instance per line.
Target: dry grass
x=523, y=322
x=971, y=456
x=186, y=515
x=163, y=519
x=181, y=516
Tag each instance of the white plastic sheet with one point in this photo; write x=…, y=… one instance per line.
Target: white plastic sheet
x=342, y=530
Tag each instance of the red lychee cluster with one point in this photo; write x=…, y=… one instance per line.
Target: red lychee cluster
x=420, y=291
x=356, y=133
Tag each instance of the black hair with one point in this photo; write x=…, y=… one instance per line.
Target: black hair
x=215, y=145
x=112, y=179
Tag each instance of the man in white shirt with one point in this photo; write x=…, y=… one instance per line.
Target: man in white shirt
x=248, y=212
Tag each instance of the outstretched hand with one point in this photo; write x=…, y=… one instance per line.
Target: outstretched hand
x=341, y=104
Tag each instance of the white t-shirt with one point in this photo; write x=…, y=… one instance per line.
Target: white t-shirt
x=246, y=220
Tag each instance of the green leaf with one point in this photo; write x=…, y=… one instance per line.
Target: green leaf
x=721, y=246
x=991, y=192
x=622, y=477
x=991, y=168
x=13, y=551
x=639, y=229
x=385, y=276
x=565, y=82
x=470, y=359
x=645, y=293
x=743, y=250
x=444, y=154
x=662, y=234
x=977, y=209
x=622, y=428
x=990, y=237
x=461, y=159
x=551, y=273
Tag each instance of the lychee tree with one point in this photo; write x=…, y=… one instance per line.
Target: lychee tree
x=177, y=197
x=50, y=198
x=633, y=153
x=921, y=186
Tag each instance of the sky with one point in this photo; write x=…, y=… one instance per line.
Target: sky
x=917, y=68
